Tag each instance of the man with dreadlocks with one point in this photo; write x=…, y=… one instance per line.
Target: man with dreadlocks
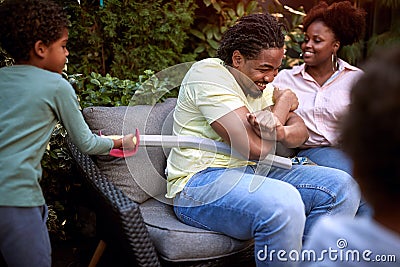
x=229, y=99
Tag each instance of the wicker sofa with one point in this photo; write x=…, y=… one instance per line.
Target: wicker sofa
x=132, y=215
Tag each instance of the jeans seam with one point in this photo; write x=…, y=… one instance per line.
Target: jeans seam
x=323, y=189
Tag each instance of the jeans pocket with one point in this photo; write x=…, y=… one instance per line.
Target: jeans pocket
x=45, y=212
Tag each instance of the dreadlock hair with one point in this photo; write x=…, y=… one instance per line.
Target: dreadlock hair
x=250, y=35
x=346, y=21
x=24, y=22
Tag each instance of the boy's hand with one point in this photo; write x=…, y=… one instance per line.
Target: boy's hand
x=127, y=142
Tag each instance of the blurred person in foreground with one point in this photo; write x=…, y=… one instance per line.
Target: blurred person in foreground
x=371, y=137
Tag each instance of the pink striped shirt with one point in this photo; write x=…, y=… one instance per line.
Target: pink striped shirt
x=320, y=107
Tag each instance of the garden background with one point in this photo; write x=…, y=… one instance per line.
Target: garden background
x=117, y=45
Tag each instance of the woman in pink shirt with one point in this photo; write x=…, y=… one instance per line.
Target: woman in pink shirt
x=323, y=83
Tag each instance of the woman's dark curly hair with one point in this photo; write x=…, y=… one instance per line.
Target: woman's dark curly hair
x=346, y=21
x=371, y=128
x=250, y=35
x=24, y=22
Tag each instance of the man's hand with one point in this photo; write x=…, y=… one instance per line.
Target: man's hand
x=266, y=125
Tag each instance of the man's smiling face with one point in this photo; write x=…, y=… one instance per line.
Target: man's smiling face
x=261, y=70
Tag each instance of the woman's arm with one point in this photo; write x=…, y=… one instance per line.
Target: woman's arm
x=295, y=132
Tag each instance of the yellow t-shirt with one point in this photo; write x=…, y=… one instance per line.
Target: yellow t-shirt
x=208, y=92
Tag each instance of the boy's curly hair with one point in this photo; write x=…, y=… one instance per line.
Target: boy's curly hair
x=250, y=35
x=346, y=21
x=371, y=128
x=24, y=22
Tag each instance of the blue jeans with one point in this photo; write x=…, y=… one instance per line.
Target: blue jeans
x=24, y=239
x=273, y=212
x=334, y=158
x=328, y=157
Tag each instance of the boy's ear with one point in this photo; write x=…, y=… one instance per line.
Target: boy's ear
x=40, y=49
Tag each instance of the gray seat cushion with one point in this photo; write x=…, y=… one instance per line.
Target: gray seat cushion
x=176, y=241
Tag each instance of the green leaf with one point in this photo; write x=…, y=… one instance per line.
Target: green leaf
x=240, y=9
x=198, y=34
x=207, y=2
x=231, y=13
x=209, y=33
x=213, y=44
x=251, y=7
x=95, y=81
x=199, y=49
x=217, y=6
x=217, y=35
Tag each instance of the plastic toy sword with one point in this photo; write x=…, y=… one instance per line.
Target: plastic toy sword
x=182, y=141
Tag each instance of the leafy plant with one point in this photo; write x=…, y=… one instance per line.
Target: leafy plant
x=213, y=18
x=294, y=34
x=5, y=60
x=125, y=38
x=98, y=90
x=391, y=35
x=56, y=183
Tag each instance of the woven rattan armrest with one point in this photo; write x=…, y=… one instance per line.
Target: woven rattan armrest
x=121, y=223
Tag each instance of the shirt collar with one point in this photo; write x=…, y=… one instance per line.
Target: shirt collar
x=342, y=65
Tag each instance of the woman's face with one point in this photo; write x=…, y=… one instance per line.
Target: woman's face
x=319, y=44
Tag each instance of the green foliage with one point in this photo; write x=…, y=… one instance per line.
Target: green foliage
x=383, y=40
x=352, y=53
x=389, y=37
x=294, y=35
x=390, y=3
x=161, y=85
x=125, y=38
x=5, y=60
x=56, y=183
x=213, y=18
x=153, y=90
x=98, y=90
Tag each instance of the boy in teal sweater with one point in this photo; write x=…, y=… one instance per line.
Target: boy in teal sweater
x=33, y=97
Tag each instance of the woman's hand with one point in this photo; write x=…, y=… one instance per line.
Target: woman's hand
x=286, y=97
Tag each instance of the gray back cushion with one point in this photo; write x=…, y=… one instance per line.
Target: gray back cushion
x=142, y=175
